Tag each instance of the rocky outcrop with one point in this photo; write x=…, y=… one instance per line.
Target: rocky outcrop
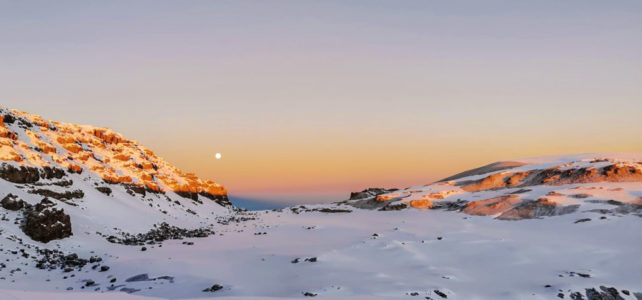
x=42, y=144
x=394, y=206
x=539, y=208
x=66, y=195
x=105, y=190
x=491, y=206
x=24, y=174
x=220, y=199
x=555, y=176
x=369, y=193
x=12, y=202
x=44, y=223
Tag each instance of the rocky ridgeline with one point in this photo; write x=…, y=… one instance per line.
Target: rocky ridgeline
x=516, y=190
x=32, y=149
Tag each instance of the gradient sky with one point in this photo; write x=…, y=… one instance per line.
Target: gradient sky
x=309, y=100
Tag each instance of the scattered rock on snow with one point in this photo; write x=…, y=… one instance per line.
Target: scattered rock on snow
x=213, y=288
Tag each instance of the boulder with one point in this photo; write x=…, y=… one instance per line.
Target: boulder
x=12, y=202
x=46, y=223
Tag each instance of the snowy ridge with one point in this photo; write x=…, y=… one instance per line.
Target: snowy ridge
x=528, y=188
x=29, y=140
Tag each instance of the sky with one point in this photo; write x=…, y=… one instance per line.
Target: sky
x=309, y=100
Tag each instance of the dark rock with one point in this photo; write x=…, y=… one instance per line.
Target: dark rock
x=19, y=174
x=582, y=220
x=52, y=259
x=398, y=206
x=332, y=210
x=592, y=294
x=580, y=196
x=143, y=249
x=577, y=296
x=160, y=233
x=104, y=268
x=440, y=294
x=450, y=205
x=311, y=259
x=129, y=290
x=560, y=295
x=9, y=119
x=46, y=223
x=135, y=189
x=112, y=280
x=610, y=293
x=139, y=277
x=12, y=202
x=295, y=261
x=213, y=288
x=67, y=195
x=414, y=294
x=370, y=193
x=105, y=190
x=308, y=294
x=222, y=200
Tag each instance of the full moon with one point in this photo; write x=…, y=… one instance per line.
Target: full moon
x=218, y=155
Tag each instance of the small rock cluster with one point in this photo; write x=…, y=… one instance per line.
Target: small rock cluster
x=159, y=233
x=56, y=259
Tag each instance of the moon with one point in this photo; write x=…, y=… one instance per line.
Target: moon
x=218, y=155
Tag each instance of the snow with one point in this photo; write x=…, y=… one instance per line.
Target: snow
x=362, y=254
x=477, y=257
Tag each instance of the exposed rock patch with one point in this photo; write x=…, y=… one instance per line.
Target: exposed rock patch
x=159, y=233
x=394, y=206
x=555, y=176
x=66, y=195
x=535, y=209
x=45, y=223
x=105, y=190
x=12, y=202
x=369, y=193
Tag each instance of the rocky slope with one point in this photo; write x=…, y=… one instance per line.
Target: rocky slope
x=528, y=188
x=94, y=178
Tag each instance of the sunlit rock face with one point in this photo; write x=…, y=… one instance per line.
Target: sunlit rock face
x=530, y=188
x=29, y=142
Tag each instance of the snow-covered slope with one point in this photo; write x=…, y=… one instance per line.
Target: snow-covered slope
x=154, y=232
x=100, y=174
x=529, y=188
x=63, y=185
